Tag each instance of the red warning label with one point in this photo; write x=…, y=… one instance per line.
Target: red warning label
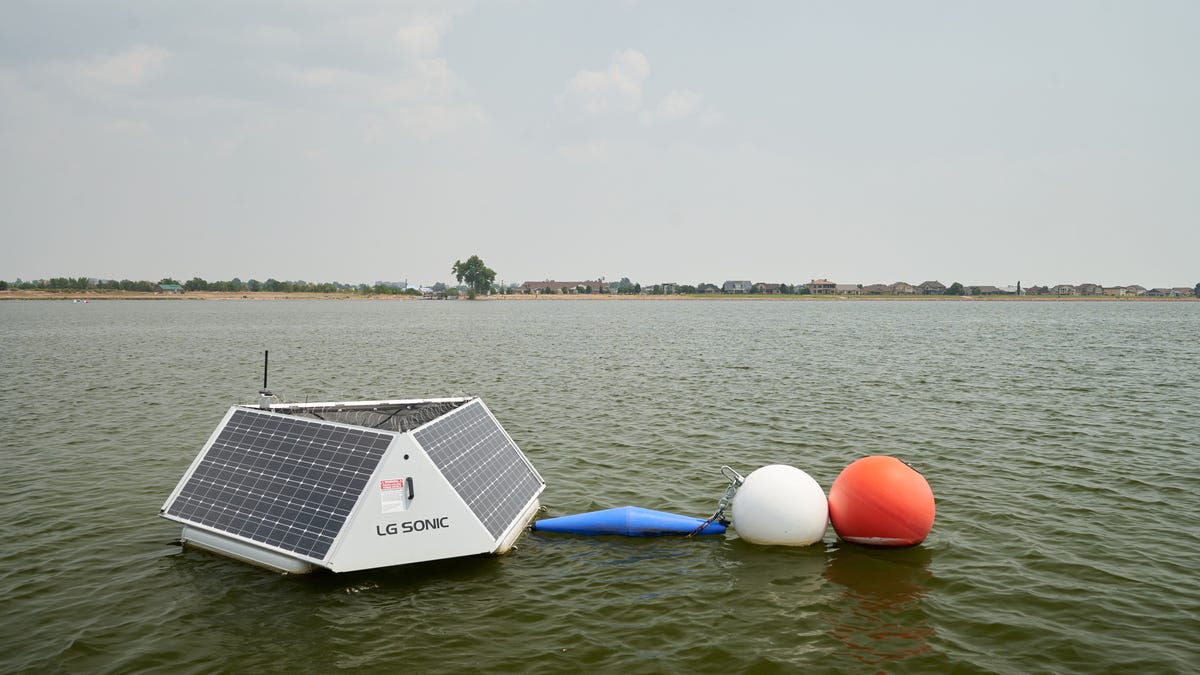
x=394, y=484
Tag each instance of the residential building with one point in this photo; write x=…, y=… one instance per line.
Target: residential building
x=708, y=288
x=902, y=288
x=877, y=289
x=768, y=289
x=559, y=286
x=847, y=289
x=931, y=288
x=1089, y=289
x=1064, y=289
x=736, y=287
x=821, y=287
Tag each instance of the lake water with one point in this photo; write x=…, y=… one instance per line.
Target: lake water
x=1060, y=440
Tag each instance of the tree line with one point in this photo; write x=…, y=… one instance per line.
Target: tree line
x=480, y=279
x=234, y=285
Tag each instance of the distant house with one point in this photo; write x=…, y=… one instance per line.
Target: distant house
x=1089, y=289
x=767, y=289
x=932, y=288
x=1124, y=291
x=565, y=287
x=668, y=289
x=1064, y=289
x=708, y=288
x=1181, y=292
x=736, y=287
x=1037, y=290
x=174, y=289
x=988, y=290
x=847, y=289
x=902, y=288
x=877, y=289
x=821, y=287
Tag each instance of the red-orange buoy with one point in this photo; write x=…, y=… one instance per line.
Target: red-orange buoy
x=881, y=501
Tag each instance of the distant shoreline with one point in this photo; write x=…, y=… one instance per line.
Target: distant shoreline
x=588, y=297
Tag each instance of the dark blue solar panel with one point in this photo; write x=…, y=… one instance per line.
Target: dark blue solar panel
x=281, y=480
x=482, y=464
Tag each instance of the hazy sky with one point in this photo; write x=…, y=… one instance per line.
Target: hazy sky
x=865, y=142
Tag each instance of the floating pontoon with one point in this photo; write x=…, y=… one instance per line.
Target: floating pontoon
x=358, y=485
x=630, y=521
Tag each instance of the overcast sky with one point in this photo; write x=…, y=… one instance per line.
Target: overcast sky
x=864, y=142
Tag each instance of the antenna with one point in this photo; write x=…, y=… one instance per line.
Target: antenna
x=264, y=394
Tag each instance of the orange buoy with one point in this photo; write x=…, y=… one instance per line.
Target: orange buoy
x=881, y=501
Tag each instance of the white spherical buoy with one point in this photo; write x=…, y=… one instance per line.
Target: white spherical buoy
x=782, y=505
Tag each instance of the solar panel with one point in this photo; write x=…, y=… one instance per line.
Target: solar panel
x=281, y=480
x=482, y=464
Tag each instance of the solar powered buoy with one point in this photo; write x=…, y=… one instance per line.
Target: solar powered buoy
x=356, y=485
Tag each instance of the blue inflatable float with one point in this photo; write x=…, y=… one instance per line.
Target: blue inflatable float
x=630, y=521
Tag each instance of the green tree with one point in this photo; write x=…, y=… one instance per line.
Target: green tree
x=955, y=289
x=1196, y=291
x=68, y=283
x=3, y=285
x=478, y=276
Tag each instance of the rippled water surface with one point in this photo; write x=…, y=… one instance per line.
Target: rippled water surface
x=1060, y=440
